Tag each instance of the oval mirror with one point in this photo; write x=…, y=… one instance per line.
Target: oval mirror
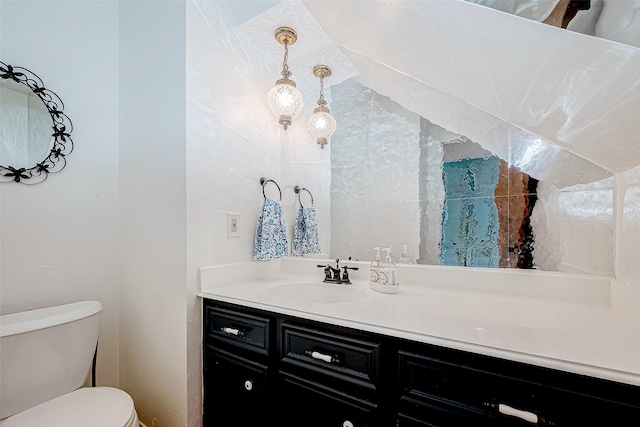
x=35, y=133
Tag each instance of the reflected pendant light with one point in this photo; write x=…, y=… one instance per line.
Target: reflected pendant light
x=321, y=124
x=285, y=100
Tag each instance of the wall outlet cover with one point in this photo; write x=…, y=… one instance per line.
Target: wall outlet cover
x=233, y=225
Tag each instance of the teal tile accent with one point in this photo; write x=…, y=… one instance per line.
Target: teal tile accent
x=470, y=223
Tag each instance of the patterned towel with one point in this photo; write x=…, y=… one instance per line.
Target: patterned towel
x=271, y=234
x=305, y=234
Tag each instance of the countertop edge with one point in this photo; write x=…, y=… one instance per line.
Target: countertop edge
x=547, y=362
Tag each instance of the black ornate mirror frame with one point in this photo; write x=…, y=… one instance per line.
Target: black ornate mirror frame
x=62, y=144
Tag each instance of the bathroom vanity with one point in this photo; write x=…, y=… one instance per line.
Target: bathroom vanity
x=289, y=352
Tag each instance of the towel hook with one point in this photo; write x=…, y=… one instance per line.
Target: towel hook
x=297, y=190
x=264, y=181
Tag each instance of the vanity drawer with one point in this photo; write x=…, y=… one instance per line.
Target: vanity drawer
x=310, y=404
x=442, y=390
x=238, y=329
x=342, y=357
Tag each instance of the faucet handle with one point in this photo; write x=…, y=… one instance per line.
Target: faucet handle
x=345, y=275
x=327, y=271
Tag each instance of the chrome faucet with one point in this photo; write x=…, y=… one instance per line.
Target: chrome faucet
x=332, y=275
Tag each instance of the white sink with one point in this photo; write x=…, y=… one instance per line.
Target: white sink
x=326, y=293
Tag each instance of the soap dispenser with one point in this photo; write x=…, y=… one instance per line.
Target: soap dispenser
x=404, y=258
x=376, y=269
x=384, y=278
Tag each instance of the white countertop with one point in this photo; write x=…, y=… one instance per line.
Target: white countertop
x=596, y=334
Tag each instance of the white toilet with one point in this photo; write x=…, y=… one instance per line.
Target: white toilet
x=45, y=358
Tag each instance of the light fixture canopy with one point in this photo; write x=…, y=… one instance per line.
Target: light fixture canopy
x=285, y=100
x=321, y=124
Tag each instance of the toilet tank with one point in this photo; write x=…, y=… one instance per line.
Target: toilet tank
x=45, y=353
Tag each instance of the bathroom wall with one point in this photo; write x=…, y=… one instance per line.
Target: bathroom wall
x=628, y=233
x=59, y=239
x=626, y=285
x=232, y=141
x=152, y=178
x=111, y=226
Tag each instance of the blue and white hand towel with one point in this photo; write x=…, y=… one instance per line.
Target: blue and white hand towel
x=305, y=234
x=271, y=233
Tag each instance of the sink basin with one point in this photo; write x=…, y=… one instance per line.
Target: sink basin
x=316, y=292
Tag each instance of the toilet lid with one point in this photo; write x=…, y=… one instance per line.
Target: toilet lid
x=88, y=406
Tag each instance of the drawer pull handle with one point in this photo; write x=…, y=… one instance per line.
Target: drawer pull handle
x=324, y=357
x=524, y=415
x=232, y=331
x=248, y=385
x=347, y=424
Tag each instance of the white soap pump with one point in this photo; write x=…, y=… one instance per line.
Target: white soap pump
x=388, y=263
x=378, y=260
x=404, y=258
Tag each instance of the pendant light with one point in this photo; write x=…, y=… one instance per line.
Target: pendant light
x=321, y=124
x=285, y=100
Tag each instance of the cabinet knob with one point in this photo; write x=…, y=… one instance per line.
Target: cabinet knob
x=347, y=423
x=248, y=385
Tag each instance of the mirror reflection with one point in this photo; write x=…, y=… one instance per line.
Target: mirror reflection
x=448, y=145
x=400, y=181
x=25, y=126
x=35, y=133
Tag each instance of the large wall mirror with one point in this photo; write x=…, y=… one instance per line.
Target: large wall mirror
x=510, y=200
x=453, y=142
x=35, y=133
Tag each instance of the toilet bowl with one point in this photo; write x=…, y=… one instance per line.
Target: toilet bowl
x=88, y=407
x=45, y=358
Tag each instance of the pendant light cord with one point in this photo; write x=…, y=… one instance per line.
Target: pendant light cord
x=285, y=67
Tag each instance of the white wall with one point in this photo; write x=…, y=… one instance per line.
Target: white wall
x=628, y=232
x=232, y=141
x=153, y=290
x=59, y=238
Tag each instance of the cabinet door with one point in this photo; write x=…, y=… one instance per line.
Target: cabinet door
x=311, y=404
x=236, y=391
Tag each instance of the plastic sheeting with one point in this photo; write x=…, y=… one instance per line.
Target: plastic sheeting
x=537, y=10
x=617, y=20
x=578, y=92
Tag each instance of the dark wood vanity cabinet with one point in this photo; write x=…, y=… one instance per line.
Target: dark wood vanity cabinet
x=238, y=370
x=263, y=368
x=446, y=387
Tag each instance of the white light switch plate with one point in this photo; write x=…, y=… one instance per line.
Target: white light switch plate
x=233, y=225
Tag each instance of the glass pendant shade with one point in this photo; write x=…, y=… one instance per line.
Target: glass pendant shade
x=285, y=101
x=321, y=126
